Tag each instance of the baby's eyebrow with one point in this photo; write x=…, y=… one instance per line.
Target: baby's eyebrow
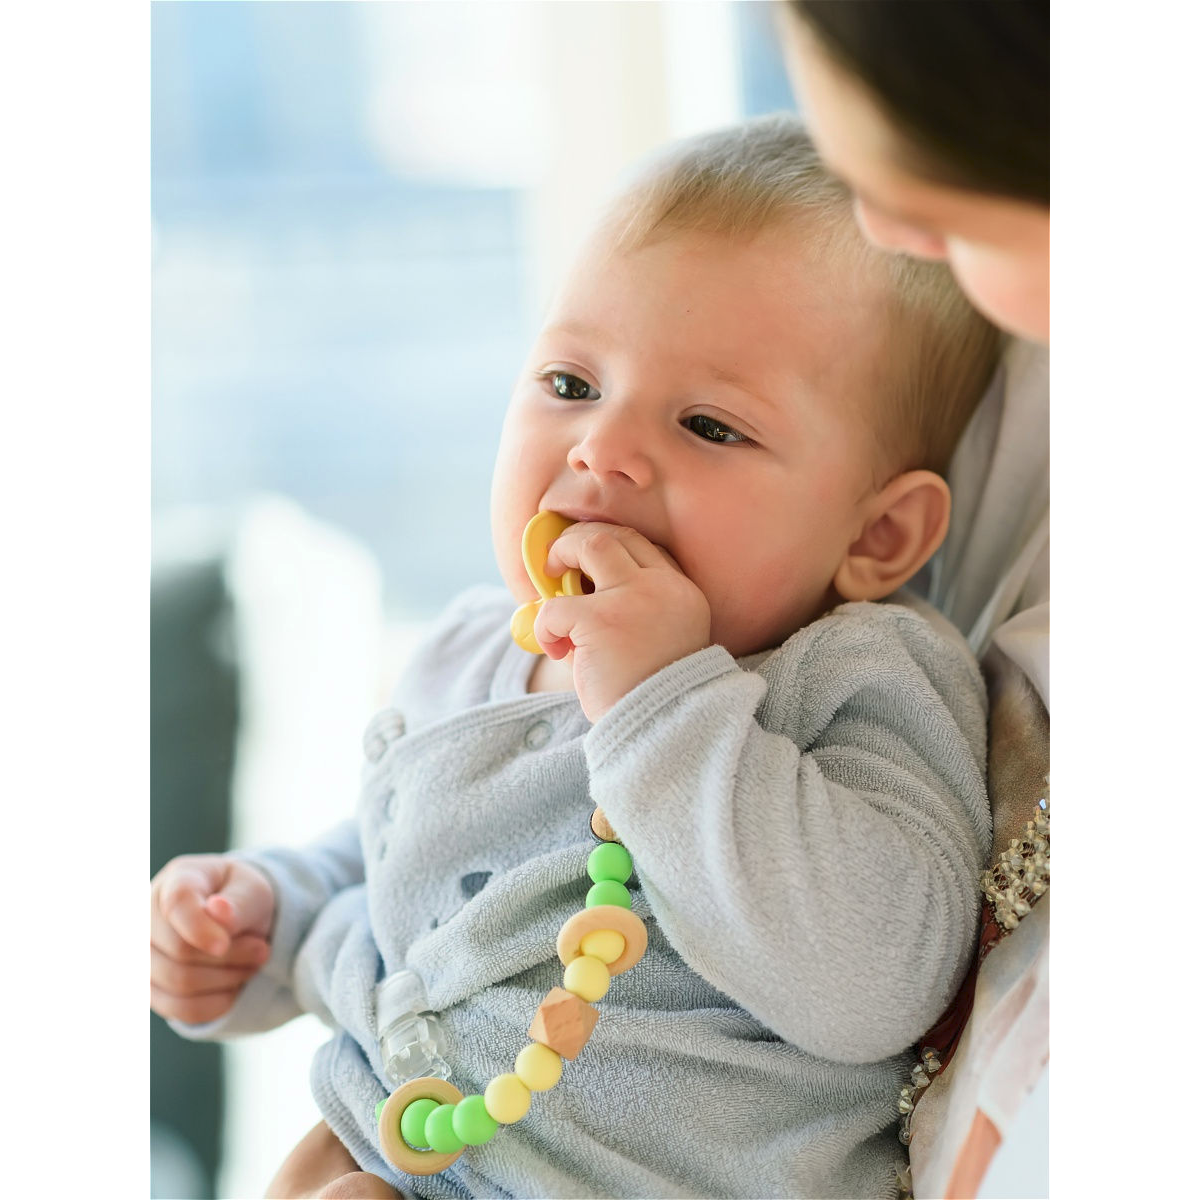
x=753, y=387
x=574, y=329
x=722, y=375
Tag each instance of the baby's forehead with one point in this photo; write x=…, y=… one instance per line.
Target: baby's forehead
x=776, y=309
x=795, y=275
x=827, y=235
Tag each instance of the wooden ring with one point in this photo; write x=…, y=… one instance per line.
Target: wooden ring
x=395, y=1149
x=604, y=916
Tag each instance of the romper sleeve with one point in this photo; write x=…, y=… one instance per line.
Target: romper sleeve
x=810, y=835
x=304, y=880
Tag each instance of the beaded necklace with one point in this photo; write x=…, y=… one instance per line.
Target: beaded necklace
x=426, y=1123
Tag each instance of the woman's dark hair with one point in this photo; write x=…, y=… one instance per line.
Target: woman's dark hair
x=966, y=83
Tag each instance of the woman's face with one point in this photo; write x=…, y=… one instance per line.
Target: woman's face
x=998, y=248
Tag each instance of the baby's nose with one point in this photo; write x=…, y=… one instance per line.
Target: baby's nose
x=613, y=450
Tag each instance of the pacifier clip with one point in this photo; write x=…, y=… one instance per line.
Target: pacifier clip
x=426, y=1124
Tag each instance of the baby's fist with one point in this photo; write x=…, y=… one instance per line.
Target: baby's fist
x=210, y=921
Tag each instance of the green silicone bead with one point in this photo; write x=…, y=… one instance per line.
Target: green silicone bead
x=608, y=891
x=379, y=1110
x=412, y=1123
x=472, y=1121
x=439, y=1129
x=610, y=860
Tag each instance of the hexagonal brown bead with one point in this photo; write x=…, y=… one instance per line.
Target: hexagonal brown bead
x=563, y=1022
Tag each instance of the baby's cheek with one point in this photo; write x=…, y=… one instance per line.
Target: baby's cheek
x=770, y=602
x=506, y=545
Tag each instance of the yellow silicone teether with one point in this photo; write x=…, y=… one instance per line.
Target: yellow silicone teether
x=540, y=533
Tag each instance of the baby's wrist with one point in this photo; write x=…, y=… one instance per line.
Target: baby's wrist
x=630, y=681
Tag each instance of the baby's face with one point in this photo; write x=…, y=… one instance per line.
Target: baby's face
x=708, y=392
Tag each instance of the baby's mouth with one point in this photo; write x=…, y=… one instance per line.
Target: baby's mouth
x=580, y=516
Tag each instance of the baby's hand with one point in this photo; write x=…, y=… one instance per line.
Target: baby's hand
x=210, y=918
x=644, y=614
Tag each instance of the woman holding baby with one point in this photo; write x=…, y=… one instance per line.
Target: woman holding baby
x=904, y=134
x=936, y=114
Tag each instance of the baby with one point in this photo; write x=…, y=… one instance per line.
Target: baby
x=746, y=412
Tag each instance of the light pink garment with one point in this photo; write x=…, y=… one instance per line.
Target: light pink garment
x=992, y=579
x=966, y=1112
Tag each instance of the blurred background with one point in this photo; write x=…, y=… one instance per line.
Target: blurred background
x=358, y=211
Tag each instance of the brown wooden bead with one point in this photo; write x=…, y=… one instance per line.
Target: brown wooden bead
x=601, y=828
x=604, y=916
x=563, y=1022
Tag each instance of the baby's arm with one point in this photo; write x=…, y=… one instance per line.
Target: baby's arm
x=299, y=883
x=813, y=851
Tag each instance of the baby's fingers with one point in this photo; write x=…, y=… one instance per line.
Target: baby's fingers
x=245, y=950
x=556, y=622
x=245, y=902
x=607, y=554
x=191, y=1010
x=182, y=979
x=182, y=893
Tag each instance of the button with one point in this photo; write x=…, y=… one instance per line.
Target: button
x=383, y=728
x=538, y=734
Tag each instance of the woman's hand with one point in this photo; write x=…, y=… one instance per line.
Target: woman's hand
x=644, y=613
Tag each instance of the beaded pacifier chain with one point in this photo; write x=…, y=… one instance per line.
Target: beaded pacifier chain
x=425, y=1124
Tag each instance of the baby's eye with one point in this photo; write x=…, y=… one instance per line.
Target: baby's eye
x=712, y=430
x=571, y=387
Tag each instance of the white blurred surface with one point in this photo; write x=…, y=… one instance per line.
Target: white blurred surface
x=1020, y=1169
x=315, y=663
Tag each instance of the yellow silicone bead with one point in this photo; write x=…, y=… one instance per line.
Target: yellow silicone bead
x=605, y=944
x=538, y=1067
x=506, y=1099
x=586, y=977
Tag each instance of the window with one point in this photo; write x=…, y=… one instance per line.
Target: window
x=358, y=212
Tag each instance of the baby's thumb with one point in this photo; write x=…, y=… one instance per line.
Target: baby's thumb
x=245, y=904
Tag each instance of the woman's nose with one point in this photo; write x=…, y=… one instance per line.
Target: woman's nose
x=612, y=447
x=888, y=233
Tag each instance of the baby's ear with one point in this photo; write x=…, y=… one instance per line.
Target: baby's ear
x=905, y=524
